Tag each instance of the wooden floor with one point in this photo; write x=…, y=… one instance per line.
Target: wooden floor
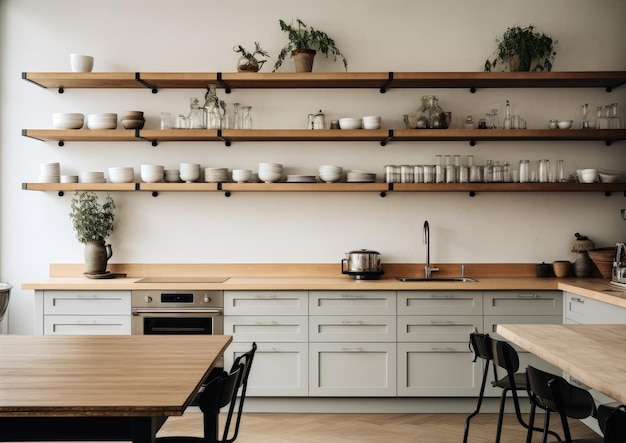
x=365, y=428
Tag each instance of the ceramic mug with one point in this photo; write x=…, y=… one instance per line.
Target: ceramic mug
x=81, y=63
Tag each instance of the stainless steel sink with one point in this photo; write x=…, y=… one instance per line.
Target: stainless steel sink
x=437, y=279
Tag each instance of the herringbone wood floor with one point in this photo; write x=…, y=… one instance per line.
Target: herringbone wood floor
x=366, y=428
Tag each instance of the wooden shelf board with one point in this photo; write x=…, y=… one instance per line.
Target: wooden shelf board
x=78, y=186
x=509, y=187
x=610, y=135
x=305, y=187
x=87, y=135
x=178, y=187
x=83, y=79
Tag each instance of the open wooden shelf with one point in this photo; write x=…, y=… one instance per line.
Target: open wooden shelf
x=285, y=80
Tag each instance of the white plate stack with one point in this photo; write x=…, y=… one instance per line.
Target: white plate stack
x=270, y=172
x=371, y=122
x=124, y=174
x=102, y=121
x=189, y=172
x=92, y=177
x=49, y=173
x=215, y=175
x=152, y=173
x=330, y=173
x=172, y=175
x=293, y=178
x=356, y=176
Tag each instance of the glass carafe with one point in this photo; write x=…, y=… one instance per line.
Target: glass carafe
x=197, y=116
x=422, y=115
x=437, y=119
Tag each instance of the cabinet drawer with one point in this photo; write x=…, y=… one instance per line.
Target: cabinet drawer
x=523, y=303
x=267, y=328
x=352, y=303
x=440, y=303
x=587, y=310
x=341, y=328
x=86, y=302
x=265, y=303
x=352, y=369
x=278, y=369
x=437, y=370
x=86, y=325
x=438, y=328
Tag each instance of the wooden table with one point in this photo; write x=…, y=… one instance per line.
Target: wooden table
x=99, y=387
x=593, y=354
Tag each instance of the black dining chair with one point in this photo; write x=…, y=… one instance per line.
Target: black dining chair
x=499, y=354
x=553, y=393
x=612, y=420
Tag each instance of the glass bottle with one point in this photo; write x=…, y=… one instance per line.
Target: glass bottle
x=236, y=116
x=197, y=116
x=524, y=171
x=495, y=119
x=422, y=115
x=225, y=115
x=247, y=117
x=508, y=122
x=615, y=121
x=212, y=108
x=437, y=118
x=440, y=174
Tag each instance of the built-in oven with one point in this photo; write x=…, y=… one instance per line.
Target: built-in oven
x=177, y=312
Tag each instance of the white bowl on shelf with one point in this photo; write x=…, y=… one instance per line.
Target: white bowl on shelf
x=152, y=173
x=565, y=124
x=189, y=172
x=81, y=63
x=269, y=177
x=68, y=120
x=608, y=177
x=125, y=174
x=371, y=122
x=589, y=175
x=350, y=123
x=241, y=175
x=102, y=121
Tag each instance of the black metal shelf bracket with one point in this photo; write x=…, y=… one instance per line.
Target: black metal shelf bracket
x=608, y=142
x=387, y=83
x=61, y=90
x=219, y=188
x=61, y=143
x=145, y=83
x=60, y=193
x=472, y=194
x=155, y=194
x=226, y=141
x=387, y=139
x=472, y=143
x=152, y=142
x=472, y=89
x=221, y=81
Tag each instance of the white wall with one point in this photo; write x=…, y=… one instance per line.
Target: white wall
x=197, y=35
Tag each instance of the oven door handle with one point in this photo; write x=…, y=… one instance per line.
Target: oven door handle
x=138, y=311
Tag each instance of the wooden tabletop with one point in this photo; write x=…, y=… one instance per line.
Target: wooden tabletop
x=593, y=354
x=74, y=376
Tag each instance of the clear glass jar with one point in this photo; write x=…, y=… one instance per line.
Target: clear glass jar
x=197, y=115
x=437, y=119
x=406, y=174
x=524, y=171
x=440, y=172
x=236, y=116
x=469, y=122
x=422, y=115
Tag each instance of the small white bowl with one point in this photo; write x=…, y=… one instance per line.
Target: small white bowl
x=241, y=175
x=269, y=177
x=70, y=120
x=565, y=124
x=609, y=178
x=589, y=175
x=81, y=63
x=350, y=123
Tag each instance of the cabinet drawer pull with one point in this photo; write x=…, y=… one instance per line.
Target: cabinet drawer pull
x=271, y=322
x=438, y=349
x=527, y=296
x=359, y=349
x=266, y=297
x=578, y=300
x=87, y=322
x=351, y=295
x=441, y=296
x=348, y=322
x=86, y=295
x=441, y=322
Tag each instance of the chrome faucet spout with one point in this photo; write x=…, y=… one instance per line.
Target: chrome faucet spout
x=427, y=269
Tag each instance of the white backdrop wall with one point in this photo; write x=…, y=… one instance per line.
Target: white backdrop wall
x=198, y=35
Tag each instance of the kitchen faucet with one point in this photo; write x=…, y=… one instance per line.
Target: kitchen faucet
x=427, y=269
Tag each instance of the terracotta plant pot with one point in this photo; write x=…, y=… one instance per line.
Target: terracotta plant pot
x=303, y=59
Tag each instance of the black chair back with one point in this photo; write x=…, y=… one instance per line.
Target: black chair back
x=505, y=356
x=244, y=361
x=613, y=423
x=481, y=345
x=219, y=392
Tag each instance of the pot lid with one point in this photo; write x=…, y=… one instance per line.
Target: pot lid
x=363, y=251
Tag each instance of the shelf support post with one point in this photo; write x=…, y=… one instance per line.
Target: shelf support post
x=222, y=138
x=221, y=81
x=387, y=139
x=387, y=83
x=145, y=83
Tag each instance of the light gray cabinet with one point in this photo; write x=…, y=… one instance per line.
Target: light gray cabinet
x=82, y=312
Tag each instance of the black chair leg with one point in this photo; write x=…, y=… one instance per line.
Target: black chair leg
x=520, y=419
x=480, y=402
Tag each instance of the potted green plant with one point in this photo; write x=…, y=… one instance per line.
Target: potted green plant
x=248, y=61
x=304, y=42
x=93, y=223
x=519, y=48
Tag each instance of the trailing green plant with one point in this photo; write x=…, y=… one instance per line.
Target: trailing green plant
x=527, y=45
x=92, y=221
x=302, y=36
x=251, y=56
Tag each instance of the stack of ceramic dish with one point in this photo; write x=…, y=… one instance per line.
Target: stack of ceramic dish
x=189, y=172
x=609, y=176
x=270, y=172
x=371, y=122
x=69, y=179
x=133, y=120
x=68, y=120
x=49, y=172
x=152, y=173
x=215, y=175
x=350, y=123
x=172, y=175
x=293, y=178
x=330, y=173
x=124, y=174
x=92, y=177
x=102, y=121
x=241, y=175
x=361, y=177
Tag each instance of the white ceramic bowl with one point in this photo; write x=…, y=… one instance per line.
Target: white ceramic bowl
x=215, y=175
x=330, y=177
x=121, y=174
x=70, y=120
x=241, y=175
x=81, y=63
x=371, y=122
x=565, y=124
x=269, y=177
x=102, y=121
x=350, y=123
x=589, y=175
x=152, y=173
x=609, y=178
x=172, y=175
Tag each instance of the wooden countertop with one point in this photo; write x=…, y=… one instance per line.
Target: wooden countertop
x=593, y=354
x=109, y=375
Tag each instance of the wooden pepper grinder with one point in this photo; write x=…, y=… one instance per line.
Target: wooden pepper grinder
x=583, y=266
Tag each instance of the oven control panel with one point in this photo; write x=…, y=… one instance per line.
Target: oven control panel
x=177, y=299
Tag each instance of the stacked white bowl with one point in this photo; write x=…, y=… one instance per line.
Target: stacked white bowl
x=270, y=172
x=215, y=175
x=241, y=175
x=152, y=173
x=121, y=174
x=92, y=177
x=68, y=120
x=69, y=179
x=330, y=173
x=350, y=123
x=189, y=172
x=371, y=122
x=133, y=120
x=172, y=175
x=49, y=172
x=356, y=176
x=102, y=121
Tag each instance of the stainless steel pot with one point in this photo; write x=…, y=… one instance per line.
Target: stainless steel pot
x=5, y=292
x=362, y=264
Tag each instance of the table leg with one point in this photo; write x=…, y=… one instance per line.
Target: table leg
x=144, y=429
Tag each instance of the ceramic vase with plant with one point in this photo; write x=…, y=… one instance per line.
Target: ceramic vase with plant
x=304, y=42
x=93, y=222
x=520, y=49
x=248, y=61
